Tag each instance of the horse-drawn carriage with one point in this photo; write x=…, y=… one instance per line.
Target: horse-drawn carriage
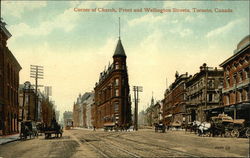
x=28, y=129
x=223, y=124
x=160, y=127
x=54, y=129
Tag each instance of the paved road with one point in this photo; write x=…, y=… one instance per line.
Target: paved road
x=144, y=143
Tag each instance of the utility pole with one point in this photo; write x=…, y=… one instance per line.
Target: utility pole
x=37, y=73
x=136, y=90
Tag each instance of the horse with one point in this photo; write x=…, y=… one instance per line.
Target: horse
x=194, y=126
x=204, y=128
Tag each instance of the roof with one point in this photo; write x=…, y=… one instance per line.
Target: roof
x=119, y=51
x=242, y=46
x=3, y=28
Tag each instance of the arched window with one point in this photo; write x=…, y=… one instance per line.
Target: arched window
x=117, y=82
x=116, y=92
x=116, y=65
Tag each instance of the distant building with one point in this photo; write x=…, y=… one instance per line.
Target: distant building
x=77, y=113
x=27, y=101
x=236, y=88
x=149, y=113
x=68, y=118
x=153, y=114
x=9, y=83
x=203, y=94
x=48, y=111
x=82, y=110
x=112, y=99
x=142, y=118
x=88, y=104
x=57, y=115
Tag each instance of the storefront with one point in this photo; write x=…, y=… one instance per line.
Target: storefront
x=241, y=111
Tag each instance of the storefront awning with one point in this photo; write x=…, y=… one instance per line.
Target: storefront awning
x=109, y=124
x=170, y=115
x=241, y=106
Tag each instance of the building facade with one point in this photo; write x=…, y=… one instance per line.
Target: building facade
x=89, y=102
x=77, y=112
x=82, y=110
x=236, y=87
x=174, y=106
x=48, y=111
x=112, y=99
x=9, y=83
x=203, y=94
x=27, y=98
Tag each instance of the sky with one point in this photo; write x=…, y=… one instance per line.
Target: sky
x=74, y=47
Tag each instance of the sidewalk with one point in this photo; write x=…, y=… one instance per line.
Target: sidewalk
x=9, y=138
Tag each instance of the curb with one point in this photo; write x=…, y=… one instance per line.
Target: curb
x=9, y=141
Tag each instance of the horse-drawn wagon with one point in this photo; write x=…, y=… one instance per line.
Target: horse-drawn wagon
x=160, y=127
x=55, y=129
x=223, y=124
x=28, y=128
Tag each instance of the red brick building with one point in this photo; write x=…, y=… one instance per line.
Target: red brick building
x=112, y=100
x=174, y=102
x=236, y=88
x=9, y=83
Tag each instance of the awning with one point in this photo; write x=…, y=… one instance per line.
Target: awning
x=109, y=124
x=241, y=106
x=170, y=115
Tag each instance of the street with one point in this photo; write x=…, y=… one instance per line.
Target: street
x=143, y=143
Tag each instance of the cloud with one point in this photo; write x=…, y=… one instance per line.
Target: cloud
x=148, y=18
x=224, y=29
x=189, y=18
x=65, y=21
x=183, y=32
x=16, y=8
x=89, y=4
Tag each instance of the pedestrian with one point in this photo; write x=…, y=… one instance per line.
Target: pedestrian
x=94, y=128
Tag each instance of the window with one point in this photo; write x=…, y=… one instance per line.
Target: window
x=116, y=92
x=211, y=84
x=240, y=97
x=116, y=82
x=227, y=81
x=116, y=65
x=234, y=78
x=244, y=95
x=116, y=106
x=240, y=76
x=210, y=97
x=227, y=99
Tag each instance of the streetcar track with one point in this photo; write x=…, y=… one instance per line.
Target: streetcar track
x=149, y=144
x=170, y=149
x=119, y=148
x=113, y=137
x=95, y=148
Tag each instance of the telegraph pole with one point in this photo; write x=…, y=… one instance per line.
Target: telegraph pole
x=37, y=73
x=136, y=90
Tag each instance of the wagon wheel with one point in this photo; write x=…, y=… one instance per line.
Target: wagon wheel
x=228, y=133
x=248, y=132
x=235, y=133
